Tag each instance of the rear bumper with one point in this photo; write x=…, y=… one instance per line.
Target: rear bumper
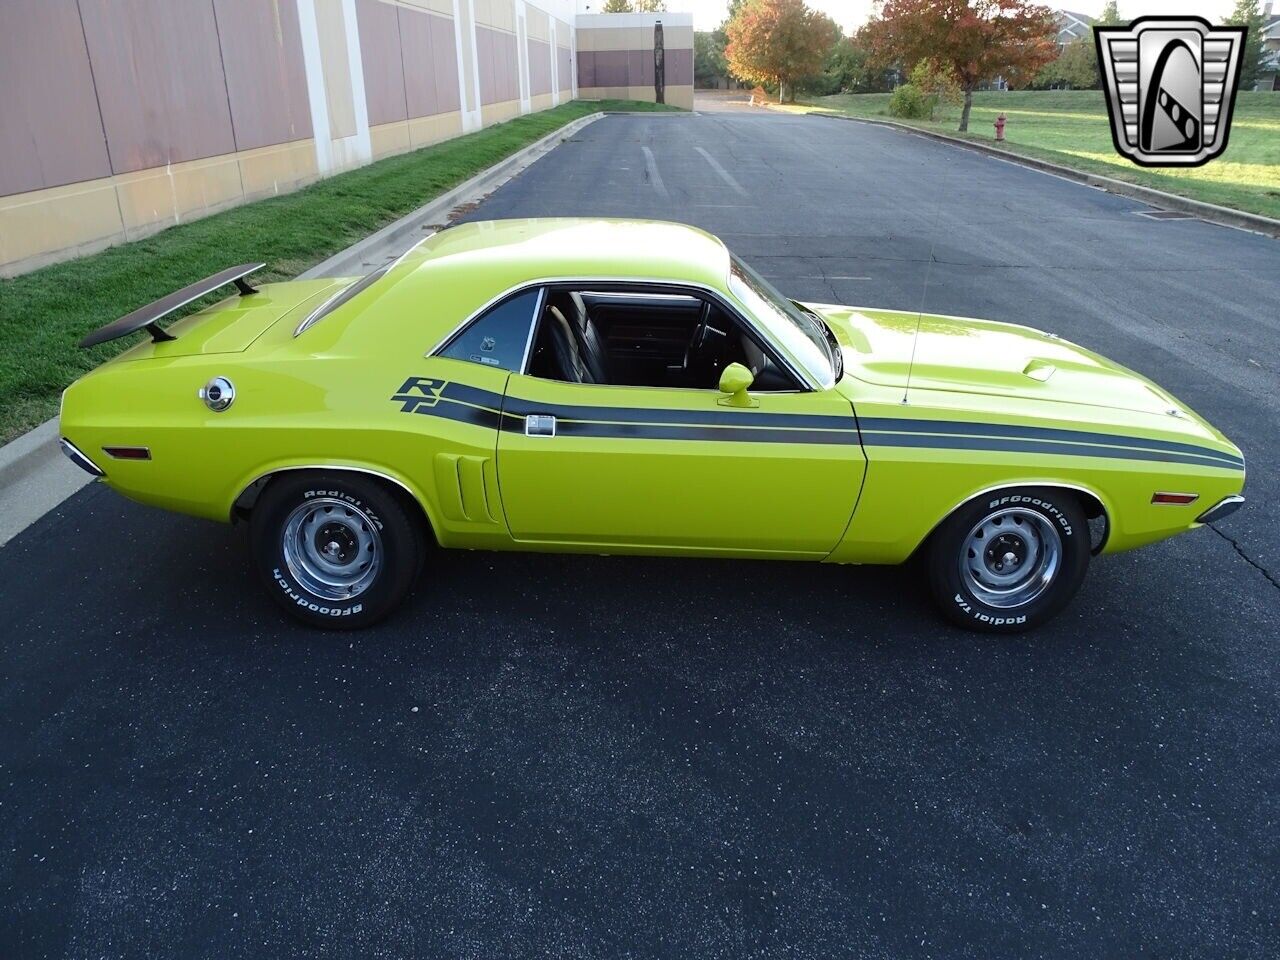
x=72, y=453
x=1223, y=508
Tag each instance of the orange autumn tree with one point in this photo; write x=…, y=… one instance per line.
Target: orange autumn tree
x=977, y=40
x=778, y=42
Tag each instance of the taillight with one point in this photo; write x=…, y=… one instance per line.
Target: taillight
x=1175, y=499
x=128, y=453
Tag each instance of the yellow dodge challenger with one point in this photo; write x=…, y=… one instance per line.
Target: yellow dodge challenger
x=633, y=387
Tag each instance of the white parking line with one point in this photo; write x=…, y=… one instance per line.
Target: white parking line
x=651, y=165
x=724, y=174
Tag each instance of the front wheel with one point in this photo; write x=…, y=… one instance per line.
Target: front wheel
x=337, y=550
x=1009, y=561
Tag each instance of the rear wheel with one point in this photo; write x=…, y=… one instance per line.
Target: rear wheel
x=1011, y=560
x=337, y=550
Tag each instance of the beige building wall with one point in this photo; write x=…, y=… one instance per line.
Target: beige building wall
x=124, y=117
x=615, y=56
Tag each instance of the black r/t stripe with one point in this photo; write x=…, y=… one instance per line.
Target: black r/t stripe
x=467, y=404
x=873, y=426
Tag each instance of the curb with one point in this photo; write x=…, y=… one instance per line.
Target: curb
x=1223, y=216
x=350, y=261
x=31, y=465
x=34, y=475
x=15, y=455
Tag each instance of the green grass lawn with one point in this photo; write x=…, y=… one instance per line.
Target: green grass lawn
x=1070, y=127
x=44, y=314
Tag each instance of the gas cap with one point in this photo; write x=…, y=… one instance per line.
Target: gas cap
x=218, y=394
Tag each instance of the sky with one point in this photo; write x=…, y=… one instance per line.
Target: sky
x=850, y=14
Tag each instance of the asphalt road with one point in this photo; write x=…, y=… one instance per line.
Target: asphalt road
x=594, y=757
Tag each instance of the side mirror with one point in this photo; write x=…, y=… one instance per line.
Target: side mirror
x=735, y=379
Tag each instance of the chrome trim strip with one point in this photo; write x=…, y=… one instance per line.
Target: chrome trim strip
x=720, y=296
x=328, y=466
x=397, y=261
x=363, y=283
x=1223, y=508
x=72, y=453
x=986, y=491
x=345, y=295
x=316, y=314
x=533, y=326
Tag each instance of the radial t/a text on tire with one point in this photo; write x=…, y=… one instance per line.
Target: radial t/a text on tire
x=1010, y=560
x=338, y=550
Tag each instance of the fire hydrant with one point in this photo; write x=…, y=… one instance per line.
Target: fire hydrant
x=999, y=125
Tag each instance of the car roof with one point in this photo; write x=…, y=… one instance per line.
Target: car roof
x=517, y=251
x=424, y=295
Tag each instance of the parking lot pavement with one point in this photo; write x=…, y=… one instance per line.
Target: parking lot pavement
x=587, y=756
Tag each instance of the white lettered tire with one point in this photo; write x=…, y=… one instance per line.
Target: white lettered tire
x=338, y=550
x=1011, y=560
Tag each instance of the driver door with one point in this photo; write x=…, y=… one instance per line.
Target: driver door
x=650, y=469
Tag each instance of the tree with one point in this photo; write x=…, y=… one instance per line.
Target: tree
x=616, y=6
x=1110, y=14
x=976, y=39
x=708, y=55
x=650, y=6
x=778, y=42
x=1247, y=14
x=847, y=69
x=1075, y=68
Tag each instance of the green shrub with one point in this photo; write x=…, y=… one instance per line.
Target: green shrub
x=929, y=85
x=912, y=103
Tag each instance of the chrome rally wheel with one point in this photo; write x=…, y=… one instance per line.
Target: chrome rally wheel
x=1011, y=557
x=332, y=548
x=337, y=549
x=1009, y=560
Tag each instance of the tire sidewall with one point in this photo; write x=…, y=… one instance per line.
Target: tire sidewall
x=399, y=565
x=958, y=601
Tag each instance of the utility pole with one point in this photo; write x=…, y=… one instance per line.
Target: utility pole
x=659, y=65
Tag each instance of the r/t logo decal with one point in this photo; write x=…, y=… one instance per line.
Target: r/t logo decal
x=419, y=394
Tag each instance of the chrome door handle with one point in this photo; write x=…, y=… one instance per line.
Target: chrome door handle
x=539, y=425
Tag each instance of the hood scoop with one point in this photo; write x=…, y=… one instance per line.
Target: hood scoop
x=983, y=357
x=1040, y=370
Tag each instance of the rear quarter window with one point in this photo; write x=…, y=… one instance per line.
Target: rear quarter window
x=500, y=336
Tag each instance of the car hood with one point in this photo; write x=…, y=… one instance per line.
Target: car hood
x=984, y=357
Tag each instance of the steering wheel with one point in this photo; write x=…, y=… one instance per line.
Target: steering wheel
x=698, y=342
x=699, y=338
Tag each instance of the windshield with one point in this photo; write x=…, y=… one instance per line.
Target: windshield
x=803, y=335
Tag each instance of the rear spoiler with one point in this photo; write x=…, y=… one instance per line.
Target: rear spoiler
x=149, y=315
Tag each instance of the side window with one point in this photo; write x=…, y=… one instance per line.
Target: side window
x=499, y=337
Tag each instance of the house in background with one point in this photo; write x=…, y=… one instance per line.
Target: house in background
x=1269, y=77
x=1073, y=26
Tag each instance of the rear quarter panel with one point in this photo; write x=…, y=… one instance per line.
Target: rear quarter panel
x=290, y=412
